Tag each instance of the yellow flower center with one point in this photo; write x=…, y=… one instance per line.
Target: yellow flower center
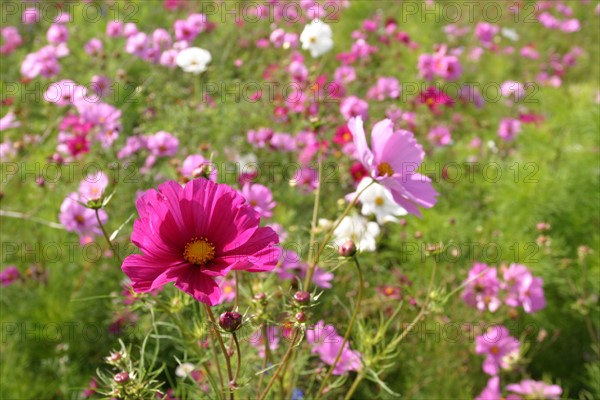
x=495, y=350
x=385, y=169
x=199, y=251
x=379, y=200
x=313, y=39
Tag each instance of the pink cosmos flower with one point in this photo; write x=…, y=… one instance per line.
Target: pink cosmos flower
x=386, y=87
x=344, y=74
x=491, y=391
x=392, y=160
x=114, y=29
x=12, y=39
x=163, y=144
x=306, y=179
x=75, y=217
x=30, y=16
x=196, y=166
x=57, y=33
x=531, y=294
x=352, y=107
x=291, y=266
x=440, y=136
x=9, y=121
x=433, y=98
x=481, y=291
x=132, y=145
x=65, y=92
x=227, y=290
x=535, y=389
x=9, y=275
x=43, y=62
x=260, y=137
x=257, y=340
x=190, y=235
x=512, y=89
x=93, y=47
x=93, y=186
x=509, y=128
x=496, y=344
x=260, y=198
x=485, y=33
x=326, y=342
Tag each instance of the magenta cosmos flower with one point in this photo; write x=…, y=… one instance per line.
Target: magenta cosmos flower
x=392, y=161
x=190, y=235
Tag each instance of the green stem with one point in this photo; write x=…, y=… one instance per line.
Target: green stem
x=313, y=264
x=355, y=384
x=239, y=358
x=348, y=330
x=110, y=244
x=223, y=349
x=287, y=355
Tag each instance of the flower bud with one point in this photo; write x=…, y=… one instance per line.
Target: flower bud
x=230, y=321
x=300, y=317
x=121, y=377
x=348, y=249
x=260, y=297
x=302, y=297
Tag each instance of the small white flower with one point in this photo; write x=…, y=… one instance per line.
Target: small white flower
x=316, y=37
x=377, y=200
x=184, y=370
x=193, y=59
x=359, y=230
x=510, y=34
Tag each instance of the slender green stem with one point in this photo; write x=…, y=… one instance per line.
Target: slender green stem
x=239, y=358
x=287, y=355
x=355, y=384
x=223, y=349
x=218, y=365
x=348, y=330
x=186, y=333
x=265, y=359
x=313, y=227
x=110, y=244
x=313, y=264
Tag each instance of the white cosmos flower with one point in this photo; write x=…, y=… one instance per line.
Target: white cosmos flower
x=193, y=59
x=316, y=37
x=184, y=370
x=356, y=228
x=377, y=200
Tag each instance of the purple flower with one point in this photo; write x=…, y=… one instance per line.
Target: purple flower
x=260, y=198
x=77, y=218
x=481, y=291
x=9, y=275
x=535, y=390
x=509, y=128
x=163, y=144
x=491, y=391
x=440, y=136
x=196, y=166
x=496, y=344
x=352, y=107
x=392, y=160
x=327, y=343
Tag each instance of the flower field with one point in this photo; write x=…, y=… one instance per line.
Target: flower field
x=312, y=199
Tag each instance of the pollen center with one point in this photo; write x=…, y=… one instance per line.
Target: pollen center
x=495, y=350
x=379, y=200
x=199, y=251
x=385, y=169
